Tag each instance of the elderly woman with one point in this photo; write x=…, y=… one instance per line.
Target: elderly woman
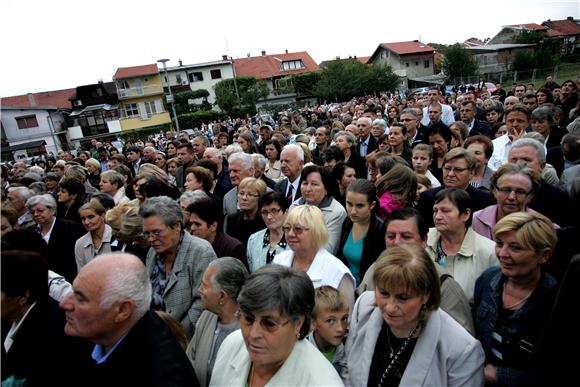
x=346, y=142
x=513, y=186
x=198, y=179
x=98, y=238
x=306, y=233
x=317, y=187
x=113, y=183
x=219, y=290
x=543, y=122
x=399, y=336
x=127, y=228
x=59, y=234
x=453, y=244
x=93, y=166
x=275, y=312
x=175, y=262
x=265, y=244
x=244, y=223
x=379, y=128
x=273, y=166
x=482, y=148
x=513, y=301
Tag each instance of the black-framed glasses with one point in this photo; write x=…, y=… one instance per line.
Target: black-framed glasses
x=267, y=324
x=508, y=190
x=273, y=211
x=298, y=230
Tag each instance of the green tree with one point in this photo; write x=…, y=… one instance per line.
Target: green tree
x=458, y=62
x=305, y=84
x=380, y=77
x=250, y=89
x=545, y=54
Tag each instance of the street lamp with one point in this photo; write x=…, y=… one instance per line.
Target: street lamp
x=170, y=96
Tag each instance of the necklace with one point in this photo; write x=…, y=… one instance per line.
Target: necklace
x=396, y=356
x=520, y=302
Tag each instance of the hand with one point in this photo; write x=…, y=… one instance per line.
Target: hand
x=490, y=374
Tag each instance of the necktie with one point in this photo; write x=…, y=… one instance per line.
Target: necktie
x=289, y=195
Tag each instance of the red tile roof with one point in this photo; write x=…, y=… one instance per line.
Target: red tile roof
x=55, y=98
x=411, y=47
x=268, y=66
x=135, y=71
x=528, y=26
x=562, y=27
x=363, y=59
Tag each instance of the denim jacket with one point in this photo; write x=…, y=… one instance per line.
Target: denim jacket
x=521, y=331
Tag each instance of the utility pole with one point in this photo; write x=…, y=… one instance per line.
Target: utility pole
x=170, y=96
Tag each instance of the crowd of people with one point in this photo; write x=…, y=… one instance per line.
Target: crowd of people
x=384, y=241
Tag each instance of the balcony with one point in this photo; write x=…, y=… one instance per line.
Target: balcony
x=134, y=92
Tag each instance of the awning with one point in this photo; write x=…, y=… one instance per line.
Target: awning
x=26, y=145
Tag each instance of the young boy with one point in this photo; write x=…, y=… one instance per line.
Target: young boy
x=330, y=325
x=422, y=159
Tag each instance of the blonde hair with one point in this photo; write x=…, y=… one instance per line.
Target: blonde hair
x=312, y=218
x=532, y=229
x=327, y=297
x=149, y=171
x=251, y=182
x=93, y=162
x=126, y=220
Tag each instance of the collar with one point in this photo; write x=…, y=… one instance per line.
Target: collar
x=266, y=240
x=99, y=355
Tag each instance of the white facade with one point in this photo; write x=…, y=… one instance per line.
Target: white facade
x=50, y=122
x=411, y=65
x=199, y=76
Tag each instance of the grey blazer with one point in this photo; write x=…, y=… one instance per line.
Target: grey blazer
x=445, y=353
x=181, y=299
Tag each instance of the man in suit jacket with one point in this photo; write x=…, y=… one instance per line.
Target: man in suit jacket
x=133, y=346
x=467, y=113
x=292, y=161
x=186, y=157
x=366, y=143
x=458, y=170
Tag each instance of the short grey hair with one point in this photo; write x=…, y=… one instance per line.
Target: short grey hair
x=275, y=287
x=245, y=158
x=164, y=207
x=190, y=197
x=348, y=135
x=261, y=159
x=214, y=151
x=46, y=200
x=380, y=122
x=232, y=149
x=204, y=139
x=24, y=193
x=127, y=282
x=369, y=120
x=410, y=111
x=77, y=171
x=114, y=178
x=540, y=150
x=297, y=149
x=230, y=276
x=544, y=113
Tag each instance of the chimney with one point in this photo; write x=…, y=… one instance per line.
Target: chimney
x=337, y=57
x=286, y=51
x=224, y=57
x=31, y=99
x=248, y=55
x=263, y=52
x=180, y=62
x=570, y=18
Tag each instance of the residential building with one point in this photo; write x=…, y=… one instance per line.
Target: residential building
x=494, y=58
x=140, y=93
x=34, y=124
x=96, y=113
x=275, y=70
x=568, y=32
x=411, y=61
x=361, y=59
x=508, y=34
x=198, y=76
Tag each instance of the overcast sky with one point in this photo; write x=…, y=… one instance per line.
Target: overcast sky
x=58, y=44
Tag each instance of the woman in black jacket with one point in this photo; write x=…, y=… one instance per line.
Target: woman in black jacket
x=363, y=234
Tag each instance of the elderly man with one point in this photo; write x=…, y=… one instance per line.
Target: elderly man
x=549, y=200
x=223, y=183
x=133, y=346
x=510, y=102
x=434, y=95
x=467, y=113
x=149, y=155
x=241, y=165
x=458, y=170
x=200, y=144
x=412, y=121
x=16, y=199
x=260, y=168
x=322, y=140
x=292, y=162
x=366, y=143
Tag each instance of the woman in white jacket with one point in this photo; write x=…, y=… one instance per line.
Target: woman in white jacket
x=399, y=336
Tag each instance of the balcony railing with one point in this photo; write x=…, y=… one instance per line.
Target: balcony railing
x=139, y=91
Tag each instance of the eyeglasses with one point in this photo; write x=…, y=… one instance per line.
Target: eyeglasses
x=298, y=230
x=267, y=324
x=243, y=194
x=508, y=190
x=154, y=234
x=454, y=169
x=273, y=211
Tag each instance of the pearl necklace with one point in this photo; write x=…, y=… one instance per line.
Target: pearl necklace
x=399, y=352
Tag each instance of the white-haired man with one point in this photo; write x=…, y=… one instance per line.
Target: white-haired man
x=133, y=346
x=292, y=162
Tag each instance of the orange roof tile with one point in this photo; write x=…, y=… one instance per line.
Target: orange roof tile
x=411, y=47
x=268, y=66
x=363, y=59
x=135, y=71
x=55, y=98
x=562, y=27
x=528, y=26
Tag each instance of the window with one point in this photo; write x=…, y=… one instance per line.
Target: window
x=131, y=110
x=150, y=108
x=138, y=87
x=178, y=79
x=26, y=122
x=196, y=77
x=292, y=65
x=406, y=64
x=216, y=74
x=426, y=64
x=123, y=85
x=416, y=63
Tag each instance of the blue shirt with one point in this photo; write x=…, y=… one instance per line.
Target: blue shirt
x=99, y=355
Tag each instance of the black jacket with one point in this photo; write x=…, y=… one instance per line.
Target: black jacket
x=60, y=253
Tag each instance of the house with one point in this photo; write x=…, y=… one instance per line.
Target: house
x=495, y=58
x=568, y=32
x=275, y=69
x=361, y=59
x=34, y=124
x=96, y=113
x=140, y=93
x=508, y=34
x=410, y=60
x=198, y=76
